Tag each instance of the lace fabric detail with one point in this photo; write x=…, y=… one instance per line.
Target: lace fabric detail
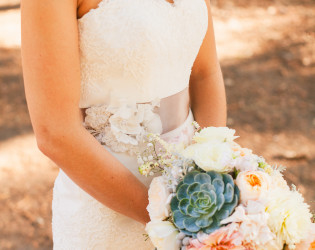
x=81, y=222
x=124, y=126
x=139, y=50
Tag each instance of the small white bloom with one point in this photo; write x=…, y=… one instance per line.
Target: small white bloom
x=245, y=160
x=140, y=160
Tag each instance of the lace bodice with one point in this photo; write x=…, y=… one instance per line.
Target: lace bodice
x=139, y=50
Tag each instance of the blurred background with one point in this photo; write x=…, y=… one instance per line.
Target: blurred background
x=267, y=54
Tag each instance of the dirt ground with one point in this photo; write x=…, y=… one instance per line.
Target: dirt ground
x=267, y=55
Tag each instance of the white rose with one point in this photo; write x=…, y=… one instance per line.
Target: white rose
x=253, y=185
x=158, y=195
x=211, y=156
x=222, y=134
x=153, y=123
x=150, y=120
x=125, y=124
x=163, y=235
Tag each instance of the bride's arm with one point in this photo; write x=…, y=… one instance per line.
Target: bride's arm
x=207, y=92
x=50, y=60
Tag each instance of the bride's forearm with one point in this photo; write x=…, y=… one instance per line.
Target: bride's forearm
x=97, y=172
x=208, y=100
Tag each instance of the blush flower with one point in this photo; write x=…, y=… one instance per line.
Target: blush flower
x=225, y=238
x=252, y=224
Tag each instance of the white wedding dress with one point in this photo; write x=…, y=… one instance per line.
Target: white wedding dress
x=134, y=54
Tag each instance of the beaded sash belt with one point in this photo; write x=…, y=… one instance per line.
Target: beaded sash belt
x=123, y=127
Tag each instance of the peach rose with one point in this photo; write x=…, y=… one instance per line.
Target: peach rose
x=253, y=185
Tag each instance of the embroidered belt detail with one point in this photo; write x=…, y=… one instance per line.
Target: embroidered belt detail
x=123, y=127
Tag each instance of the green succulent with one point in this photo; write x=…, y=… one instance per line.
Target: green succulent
x=202, y=200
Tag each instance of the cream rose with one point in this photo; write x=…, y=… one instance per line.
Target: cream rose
x=163, y=235
x=253, y=185
x=289, y=216
x=221, y=134
x=278, y=181
x=158, y=195
x=211, y=156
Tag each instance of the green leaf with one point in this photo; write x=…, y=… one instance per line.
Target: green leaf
x=203, y=203
x=178, y=219
x=228, y=179
x=190, y=225
x=174, y=203
x=211, y=211
x=194, y=197
x=233, y=204
x=179, y=185
x=228, y=193
x=213, y=197
x=215, y=175
x=207, y=187
x=192, y=212
x=189, y=178
x=202, y=178
x=220, y=201
x=183, y=204
x=218, y=186
x=182, y=192
x=237, y=191
x=222, y=214
x=187, y=232
x=204, y=221
x=193, y=188
x=213, y=227
x=203, y=194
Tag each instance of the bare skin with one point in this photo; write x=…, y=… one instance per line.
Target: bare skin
x=51, y=69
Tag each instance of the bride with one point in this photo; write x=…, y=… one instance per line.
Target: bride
x=99, y=75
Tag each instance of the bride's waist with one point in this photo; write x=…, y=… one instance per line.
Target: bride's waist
x=172, y=112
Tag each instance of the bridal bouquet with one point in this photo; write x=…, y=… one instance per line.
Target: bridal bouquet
x=214, y=194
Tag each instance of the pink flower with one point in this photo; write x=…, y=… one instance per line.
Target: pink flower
x=225, y=238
